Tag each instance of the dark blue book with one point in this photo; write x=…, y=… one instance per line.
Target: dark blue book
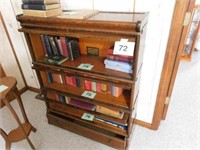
x=40, y=1
x=49, y=77
x=116, y=124
x=48, y=45
x=57, y=45
x=40, y=6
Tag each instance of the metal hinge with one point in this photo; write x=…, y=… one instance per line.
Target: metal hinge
x=167, y=100
x=187, y=19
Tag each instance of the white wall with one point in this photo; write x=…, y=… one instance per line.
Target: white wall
x=18, y=41
x=7, y=58
x=156, y=40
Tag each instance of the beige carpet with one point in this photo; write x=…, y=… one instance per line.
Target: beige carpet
x=180, y=131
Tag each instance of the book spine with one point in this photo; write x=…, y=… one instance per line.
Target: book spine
x=75, y=49
x=69, y=48
x=49, y=77
x=94, y=86
x=48, y=46
x=103, y=88
x=69, y=80
x=98, y=87
x=118, y=64
x=53, y=45
x=55, y=38
x=43, y=45
x=34, y=6
x=87, y=85
x=119, y=69
x=64, y=46
x=119, y=58
x=40, y=1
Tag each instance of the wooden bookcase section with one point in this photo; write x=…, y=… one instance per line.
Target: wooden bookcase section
x=98, y=33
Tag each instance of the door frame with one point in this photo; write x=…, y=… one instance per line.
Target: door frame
x=171, y=62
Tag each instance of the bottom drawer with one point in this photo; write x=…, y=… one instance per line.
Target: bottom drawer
x=106, y=138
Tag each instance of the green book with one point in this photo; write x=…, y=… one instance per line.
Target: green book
x=55, y=59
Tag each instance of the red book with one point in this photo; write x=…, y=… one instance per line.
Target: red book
x=119, y=58
x=68, y=80
x=74, y=82
x=87, y=85
x=64, y=46
x=98, y=87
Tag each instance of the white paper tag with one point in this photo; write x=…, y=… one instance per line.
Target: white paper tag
x=85, y=66
x=89, y=94
x=2, y=88
x=124, y=47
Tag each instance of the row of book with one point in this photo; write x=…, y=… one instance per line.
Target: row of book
x=85, y=84
x=118, y=62
x=92, y=107
x=59, y=45
x=41, y=8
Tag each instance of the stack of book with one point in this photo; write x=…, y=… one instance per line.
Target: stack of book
x=118, y=62
x=41, y=8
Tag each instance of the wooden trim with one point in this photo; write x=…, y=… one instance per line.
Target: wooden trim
x=33, y=89
x=143, y=124
x=182, y=46
x=181, y=7
x=2, y=73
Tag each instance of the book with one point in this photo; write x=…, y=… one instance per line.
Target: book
x=73, y=48
x=40, y=1
x=116, y=91
x=40, y=6
x=49, y=77
x=82, y=104
x=118, y=66
x=119, y=69
x=64, y=46
x=87, y=85
x=53, y=45
x=43, y=45
x=116, y=124
x=42, y=13
x=119, y=58
x=110, y=112
x=47, y=45
x=55, y=59
x=78, y=14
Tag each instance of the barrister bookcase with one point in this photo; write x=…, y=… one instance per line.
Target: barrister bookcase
x=61, y=84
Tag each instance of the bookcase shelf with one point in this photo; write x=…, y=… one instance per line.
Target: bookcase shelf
x=113, y=107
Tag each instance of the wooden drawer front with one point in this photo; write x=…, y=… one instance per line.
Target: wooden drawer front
x=81, y=129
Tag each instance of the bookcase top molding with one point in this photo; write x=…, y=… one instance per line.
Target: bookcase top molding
x=106, y=22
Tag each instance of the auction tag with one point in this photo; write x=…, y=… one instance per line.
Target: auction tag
x=124, y=47
x=87, y=116
x=2, y=88
x=85, y=66
x=89, y=94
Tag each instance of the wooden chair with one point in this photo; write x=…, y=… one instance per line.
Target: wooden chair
x=23, y=130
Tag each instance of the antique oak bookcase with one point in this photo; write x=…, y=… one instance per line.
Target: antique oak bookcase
x=96, y=35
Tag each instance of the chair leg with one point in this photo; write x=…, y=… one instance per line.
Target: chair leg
x=5, y=136
x=18, y=121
